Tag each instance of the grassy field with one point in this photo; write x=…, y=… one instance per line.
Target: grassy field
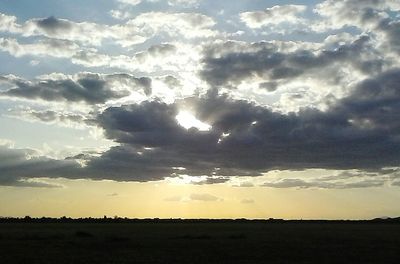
x=199, y=243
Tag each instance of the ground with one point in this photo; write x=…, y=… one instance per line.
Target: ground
x=214, y=242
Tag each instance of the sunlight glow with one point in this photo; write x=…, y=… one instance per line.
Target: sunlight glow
x=186, y=180
x=188, y=120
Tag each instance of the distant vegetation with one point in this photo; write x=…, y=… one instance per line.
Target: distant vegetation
x=116, y=219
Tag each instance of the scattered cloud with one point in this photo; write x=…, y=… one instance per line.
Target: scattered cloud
x=246, y=184
x=247, y=201
x=184, y=3
x=132, y=32
x=173, y=199
x=48, y=47
x=51, y=117
x=275, y=15
x=181, y=3
x=396, y=183
x=130, y=2
x=298, y=183
x=194, y=197
x=204, y=197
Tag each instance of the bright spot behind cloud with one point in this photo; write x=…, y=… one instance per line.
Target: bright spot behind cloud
x=188, y=120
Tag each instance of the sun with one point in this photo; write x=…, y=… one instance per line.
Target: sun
x=188, y=120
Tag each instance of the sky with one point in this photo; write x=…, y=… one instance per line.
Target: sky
x=200, y=108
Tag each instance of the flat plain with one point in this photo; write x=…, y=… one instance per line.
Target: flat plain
x=199, y=242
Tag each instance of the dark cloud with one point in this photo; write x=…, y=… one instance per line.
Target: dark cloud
x=211, y=180
x=134, y=83
x=52, y=25
x=391, y=30
x=269, y=86
x=90, y=88
x=348, y=136
x=18, y=165
x=125, y=163
x=374, y=105
x=58, y=28
x=47, y=116
x=154, y=125
x=230, y=63
x=52, y=116
x=372, y=16
x=161, y=50
x=87, y=90
x=172, y=82
x=27, y=183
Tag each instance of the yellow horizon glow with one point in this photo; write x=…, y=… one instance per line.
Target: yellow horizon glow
x=85, y=198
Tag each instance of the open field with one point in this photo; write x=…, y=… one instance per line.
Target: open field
x=214, y=242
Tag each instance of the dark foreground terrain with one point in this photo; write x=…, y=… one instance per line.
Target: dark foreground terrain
x=200, y=242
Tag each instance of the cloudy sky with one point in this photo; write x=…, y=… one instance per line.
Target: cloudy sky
x=200, y=108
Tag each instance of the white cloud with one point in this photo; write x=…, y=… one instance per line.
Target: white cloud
x=135, y=31
x=47, y=47
x=184, y=3
x=176, y=57
x=6, y=143
x=130, y=2
x=120, y=14
x=188, y=25
x=273, y=16
x=8, y=23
